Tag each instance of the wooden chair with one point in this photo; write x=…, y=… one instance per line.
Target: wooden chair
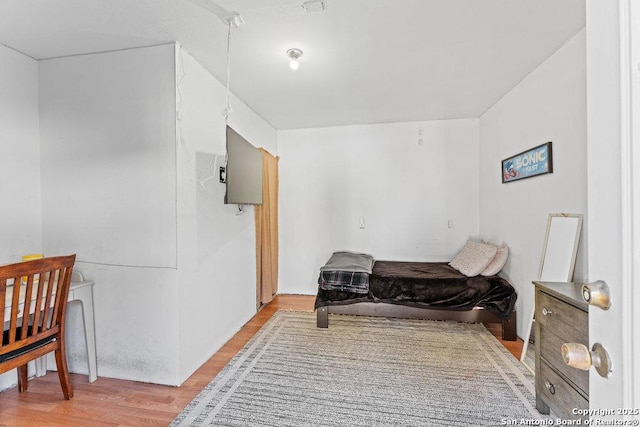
x=35, y=297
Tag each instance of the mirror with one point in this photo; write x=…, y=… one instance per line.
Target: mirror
x=556, y=265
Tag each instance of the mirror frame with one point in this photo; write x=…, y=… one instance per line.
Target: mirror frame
x=569, y=278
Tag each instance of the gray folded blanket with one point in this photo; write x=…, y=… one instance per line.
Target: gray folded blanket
x=349, y=261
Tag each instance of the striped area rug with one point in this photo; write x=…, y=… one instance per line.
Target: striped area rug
x=365, y=371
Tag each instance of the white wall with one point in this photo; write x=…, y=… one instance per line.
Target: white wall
x=109, y=194
x=128, y=140
x=216, y=247
x=548, y=105
x=406, y=191
x=108, y=149
x=20, y=215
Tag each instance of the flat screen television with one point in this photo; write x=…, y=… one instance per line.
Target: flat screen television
x=243, y=171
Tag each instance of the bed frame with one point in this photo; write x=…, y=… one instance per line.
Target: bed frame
x=478, y=315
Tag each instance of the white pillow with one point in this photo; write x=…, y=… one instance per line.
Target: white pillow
x=473, y=258
x=498, y=261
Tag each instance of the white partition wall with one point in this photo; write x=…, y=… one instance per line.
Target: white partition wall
x=108, y=150
x=216, y=246
x=108, y=178
x=138, y=133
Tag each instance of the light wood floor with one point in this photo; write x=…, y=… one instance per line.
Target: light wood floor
x=111, y=402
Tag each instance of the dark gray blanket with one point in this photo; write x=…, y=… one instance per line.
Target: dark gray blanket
x=344, y=281
x=346, y=272
x=349, y=261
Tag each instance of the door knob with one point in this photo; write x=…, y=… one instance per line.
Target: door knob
x=578, y=356
x=597, y=293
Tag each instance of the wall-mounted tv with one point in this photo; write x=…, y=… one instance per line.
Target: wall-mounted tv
x=243, y=171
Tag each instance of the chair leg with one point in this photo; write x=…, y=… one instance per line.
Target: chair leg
x=63, y=372
x=22, y=378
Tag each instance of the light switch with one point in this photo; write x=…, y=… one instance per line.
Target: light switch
x=361, y=222
x=450, y=224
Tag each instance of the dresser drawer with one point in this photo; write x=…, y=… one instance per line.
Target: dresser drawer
x=558, y=394
x=550, y=351
x=569, y=323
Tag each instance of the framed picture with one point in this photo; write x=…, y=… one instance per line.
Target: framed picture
x=532, y=162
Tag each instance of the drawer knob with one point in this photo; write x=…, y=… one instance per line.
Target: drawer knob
x=597, y=293
x=550, y=387
x=546, y=311
x=578, y=356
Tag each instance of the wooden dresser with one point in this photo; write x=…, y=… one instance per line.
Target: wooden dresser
x=561, y=317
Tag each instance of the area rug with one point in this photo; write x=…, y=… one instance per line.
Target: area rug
x=365, y=371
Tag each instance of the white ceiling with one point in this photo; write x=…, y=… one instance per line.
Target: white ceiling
x=365, y=61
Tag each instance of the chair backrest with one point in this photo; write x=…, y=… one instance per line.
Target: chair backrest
x=34, y=295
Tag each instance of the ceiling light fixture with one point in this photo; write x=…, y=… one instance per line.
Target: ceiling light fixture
x=294, y=54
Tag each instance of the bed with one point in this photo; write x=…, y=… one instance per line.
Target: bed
x=424, y=290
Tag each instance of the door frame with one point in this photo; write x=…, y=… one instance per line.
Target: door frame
x=630, y=186
x=630, y=111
